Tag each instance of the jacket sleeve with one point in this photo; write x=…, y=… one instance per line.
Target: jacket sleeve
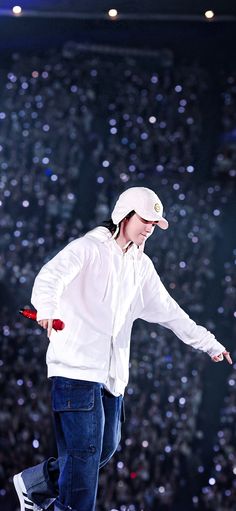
x=160, y=308
x=55, y=275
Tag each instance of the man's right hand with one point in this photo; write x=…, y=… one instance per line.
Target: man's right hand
x=47, y=324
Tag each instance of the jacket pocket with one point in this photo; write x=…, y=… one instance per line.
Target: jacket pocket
x=72, y=396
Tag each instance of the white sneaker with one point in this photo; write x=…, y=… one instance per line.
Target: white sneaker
x=25, y=503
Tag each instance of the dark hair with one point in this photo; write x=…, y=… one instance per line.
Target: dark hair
x=111, y=226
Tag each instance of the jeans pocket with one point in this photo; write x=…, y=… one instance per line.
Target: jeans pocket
x=72, y=396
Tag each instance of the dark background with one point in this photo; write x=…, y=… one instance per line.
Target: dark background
x=148, y=28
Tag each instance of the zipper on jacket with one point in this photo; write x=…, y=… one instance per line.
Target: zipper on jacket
x=115, y=315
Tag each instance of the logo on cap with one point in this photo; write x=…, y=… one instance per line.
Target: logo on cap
x=157, y=207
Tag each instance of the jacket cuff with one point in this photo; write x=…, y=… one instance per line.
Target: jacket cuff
x=47, y=313
x=216, y=349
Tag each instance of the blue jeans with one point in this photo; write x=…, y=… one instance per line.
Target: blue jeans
x=87, y=425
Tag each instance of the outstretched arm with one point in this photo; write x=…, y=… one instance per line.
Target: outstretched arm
x=160, y=307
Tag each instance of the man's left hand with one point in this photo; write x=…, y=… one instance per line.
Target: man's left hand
x=221, y=356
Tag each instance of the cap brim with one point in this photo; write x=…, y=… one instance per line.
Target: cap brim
x=155, y=218
x=163, y=224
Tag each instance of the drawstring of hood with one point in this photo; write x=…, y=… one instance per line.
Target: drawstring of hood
x=135, y=253
x=115, y=234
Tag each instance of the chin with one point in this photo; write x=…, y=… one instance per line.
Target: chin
x=139, y=242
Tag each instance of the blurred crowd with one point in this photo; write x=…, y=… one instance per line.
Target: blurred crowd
x=220, y=493
x=225, y=159
x=129, y=123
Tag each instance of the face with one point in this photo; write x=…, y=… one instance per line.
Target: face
x=137, y=229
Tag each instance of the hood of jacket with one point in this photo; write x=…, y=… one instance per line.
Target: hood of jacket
x=104, y=235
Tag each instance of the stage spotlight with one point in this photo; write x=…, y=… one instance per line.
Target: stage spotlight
x=112, y=13
x=209, y=15
x=17, y=10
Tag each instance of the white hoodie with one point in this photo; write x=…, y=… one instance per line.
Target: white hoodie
x=98, y=291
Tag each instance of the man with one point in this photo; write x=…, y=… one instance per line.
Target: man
x=98, y=285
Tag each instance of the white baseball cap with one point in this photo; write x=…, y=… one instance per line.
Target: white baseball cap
x=144, y=202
